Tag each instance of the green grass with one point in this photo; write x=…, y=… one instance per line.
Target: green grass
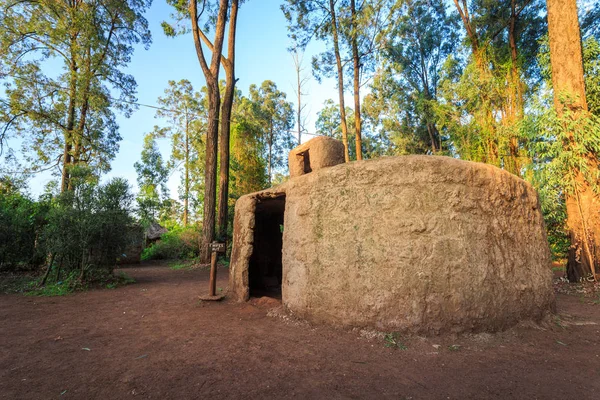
x=393, y=340
x=51, y=290
x=72, y=284
x=454, y=347
x=182, y=265
x=61, y=288
x=120, y=280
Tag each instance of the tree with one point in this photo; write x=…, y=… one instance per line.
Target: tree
x=94, y=41
x=404, y=90
x=228, y=63
x=356, y=64
x=276, y=119
x=320, y=19
x=483, y=99
x=248, y=164
x=350, y=32
x=328, y=124
x=185, y=11
x=153, y=174
x=226, y=110
x=582, y=201
x=182, y=107
x=297, y=57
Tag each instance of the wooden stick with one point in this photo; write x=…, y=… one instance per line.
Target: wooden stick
x=213, y=274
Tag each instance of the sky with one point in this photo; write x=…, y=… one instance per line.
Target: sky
x=261, y=54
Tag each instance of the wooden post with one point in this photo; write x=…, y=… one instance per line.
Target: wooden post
x=212, y=286
x=215, y=248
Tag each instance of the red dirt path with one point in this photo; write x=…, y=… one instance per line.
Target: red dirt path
x=154, y=340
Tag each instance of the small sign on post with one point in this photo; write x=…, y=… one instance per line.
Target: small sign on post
x=215, y=249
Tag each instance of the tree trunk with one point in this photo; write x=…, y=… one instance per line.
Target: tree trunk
x=186, y=190
x=48, y=269
x=340, y=74
x=515, y=96
x=229, y=66
x=68, y=135
x=211, y=75
x=270, y=160
x=210, y=171
x=566, y=61
x=356, y=64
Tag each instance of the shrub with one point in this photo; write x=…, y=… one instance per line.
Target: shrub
x=178, y=243
x=21, y=220
x=87, y=227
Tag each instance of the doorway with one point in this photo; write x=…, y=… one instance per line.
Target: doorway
x=265, y=267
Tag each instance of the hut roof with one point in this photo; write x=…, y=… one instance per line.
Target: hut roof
x=155, y=231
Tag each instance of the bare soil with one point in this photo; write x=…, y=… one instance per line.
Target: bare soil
x=154, y=339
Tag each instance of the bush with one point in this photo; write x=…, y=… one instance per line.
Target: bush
x=21, y=220
x=178, y=243
x=87, y=227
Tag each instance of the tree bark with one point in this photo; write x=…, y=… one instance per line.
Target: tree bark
x=340, y=74
x=211, y=74
x=515, y=97
x=68, y=135
x=566, y=62
x=229, y=66
x=270, y=160
x=186, y=189
x=356, y=65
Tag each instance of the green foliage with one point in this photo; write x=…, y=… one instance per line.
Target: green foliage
x=88, y=227
x=454, y=347
x=69, y=284
x=79, y=233
x=248, y=165
x=21, y=220
x=93, y=43
x=184, y=112
x=152, y=181
x=394, y=340
x=591, y=68
x=275, y=115
x=404, y=89
x=328, y=124
x=182, y=265
x=561, y=145
x=178, y=243
x=560, y=149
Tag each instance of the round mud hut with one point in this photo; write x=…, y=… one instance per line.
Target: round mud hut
x=419, y=244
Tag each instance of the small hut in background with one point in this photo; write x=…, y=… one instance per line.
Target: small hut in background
x=154, y=232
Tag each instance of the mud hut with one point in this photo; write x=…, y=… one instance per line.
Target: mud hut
x=416, y=243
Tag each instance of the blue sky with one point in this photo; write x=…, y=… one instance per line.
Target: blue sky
x=261, y=54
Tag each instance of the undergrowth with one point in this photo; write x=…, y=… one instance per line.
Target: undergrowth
x=71, y=284
x=182, y=265
x=393, y=340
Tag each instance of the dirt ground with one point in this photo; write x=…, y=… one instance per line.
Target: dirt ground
x=154, y=339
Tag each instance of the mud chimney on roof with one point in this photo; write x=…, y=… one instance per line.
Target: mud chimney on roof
x=315, y=154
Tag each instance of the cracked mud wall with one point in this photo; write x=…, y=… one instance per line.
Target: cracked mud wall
x=418, y=243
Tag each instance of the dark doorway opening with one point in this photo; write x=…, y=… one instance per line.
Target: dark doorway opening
x=305, y=162
x=265, y=268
